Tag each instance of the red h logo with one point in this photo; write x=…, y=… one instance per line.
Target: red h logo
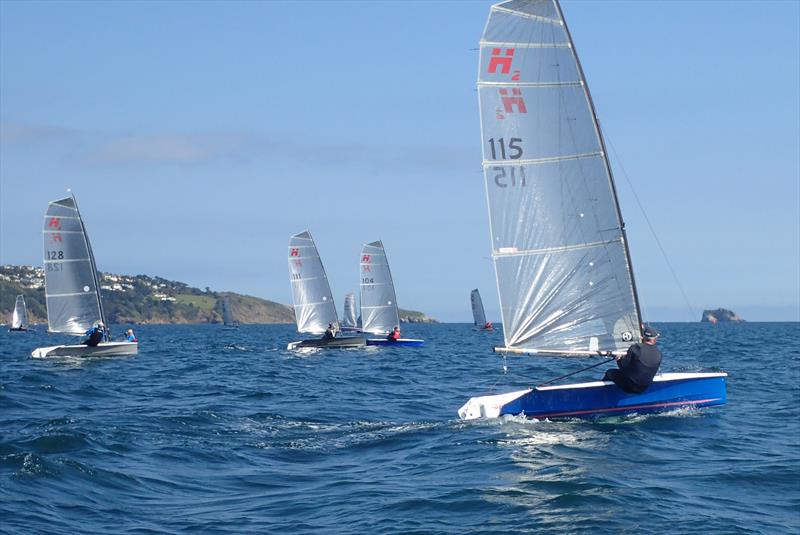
x=55, y=237
x=365, y=258
x=54, y=223
x=510, y=102
x=503, y=62
x=294, y=252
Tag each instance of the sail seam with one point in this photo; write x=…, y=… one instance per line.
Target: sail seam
x=51, y=216
x=46, y=231
x=66, y=260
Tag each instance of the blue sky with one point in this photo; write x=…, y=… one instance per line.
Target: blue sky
x=198, y=136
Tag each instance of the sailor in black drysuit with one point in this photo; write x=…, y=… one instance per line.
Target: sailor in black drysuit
x=638, y=366
x=330, y=332
x=95, y=334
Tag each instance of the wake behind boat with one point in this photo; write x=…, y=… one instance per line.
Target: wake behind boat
x=314, y=309
x=72, y=288
x=379, y=312
x=559, y=246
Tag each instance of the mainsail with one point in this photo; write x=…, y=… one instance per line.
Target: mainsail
x=349, y=317
x=72, y=290
x=558, y=242
x=227, y=316
x=19, y=320
x=379, y=314
x=478, y=314
x=314, y=308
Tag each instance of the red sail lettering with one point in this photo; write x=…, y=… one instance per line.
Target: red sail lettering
x=54, y=222
x=365, y=258
x=294, y=252
x=503, y=62
x=516, y=100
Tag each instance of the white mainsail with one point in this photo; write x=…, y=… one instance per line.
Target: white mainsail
x=72, y=290
x=314, y=308
x=349, y=317
x=19, y=320
x=478, y=314
x=558, y=242
x=379, y=313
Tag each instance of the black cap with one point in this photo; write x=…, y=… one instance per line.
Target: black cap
x=650, y=332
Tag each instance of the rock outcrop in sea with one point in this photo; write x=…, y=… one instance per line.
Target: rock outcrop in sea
x=720, y=314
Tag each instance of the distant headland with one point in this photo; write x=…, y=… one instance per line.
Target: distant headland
x=720, y=314
x=143, y=299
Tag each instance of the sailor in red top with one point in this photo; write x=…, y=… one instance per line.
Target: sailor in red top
x=394, y=336
x=488, y=326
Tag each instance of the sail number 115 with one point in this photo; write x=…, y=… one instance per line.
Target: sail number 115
x=512, y=152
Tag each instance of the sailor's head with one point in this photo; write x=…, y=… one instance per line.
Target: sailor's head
x=650, y=334
x=100, y=324
x=330, y=326
x=129, y=331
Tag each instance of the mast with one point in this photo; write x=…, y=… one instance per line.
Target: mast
x=605, y=160
x=94, y=269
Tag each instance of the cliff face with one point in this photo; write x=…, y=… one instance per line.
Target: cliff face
x=413, y=316
x=720, y=314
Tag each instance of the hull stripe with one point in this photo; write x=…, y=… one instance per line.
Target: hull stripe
x=627, y=408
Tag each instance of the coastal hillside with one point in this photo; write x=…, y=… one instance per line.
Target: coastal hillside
x=145, y=299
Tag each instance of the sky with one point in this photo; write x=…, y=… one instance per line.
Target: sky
x=198, y=136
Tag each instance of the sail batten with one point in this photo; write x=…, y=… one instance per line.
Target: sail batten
x=313, y=302
x=379, y=312
x=558, y=244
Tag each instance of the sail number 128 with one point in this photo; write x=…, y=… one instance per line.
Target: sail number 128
x=512, y=152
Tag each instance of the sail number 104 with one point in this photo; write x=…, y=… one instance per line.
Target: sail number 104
x=511, y=152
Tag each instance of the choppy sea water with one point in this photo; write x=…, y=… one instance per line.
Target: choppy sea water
x=217, y=431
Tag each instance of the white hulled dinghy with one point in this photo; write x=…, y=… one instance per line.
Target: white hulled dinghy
x=379, y=312
x=314, y=309
x=559, y=248
x=478, y=313
x=72, y=288
x=19, y=319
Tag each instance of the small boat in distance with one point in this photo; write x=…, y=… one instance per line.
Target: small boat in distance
x=227, y=315
x=379, y=312
x=314, y=309
x=559, y=248
x=72, y=287
x=349, y=321
x=19, y=319
x=478, y=314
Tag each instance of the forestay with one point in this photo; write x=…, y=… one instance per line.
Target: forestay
x=71, y=284
x=349, y=318
x=19, y=320
x=379, y=314
x=558, y=243
x=314, y=308
x=478, y=314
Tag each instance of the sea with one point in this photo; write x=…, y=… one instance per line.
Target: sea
x=211, y=430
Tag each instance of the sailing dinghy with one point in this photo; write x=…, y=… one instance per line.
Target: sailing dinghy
x=379, y=312
x=559, y=248
x=314, y=308
x=227, y=315
x=19, y=319
x=72, y=288
x=478, y=314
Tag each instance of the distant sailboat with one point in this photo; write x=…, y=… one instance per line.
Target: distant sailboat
x=19, y=320
x=227, y=314
x=379, y=312
x=349, y=319
x=478, y=314
x=314, y=309
x=560, y=253
x=72, y=288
